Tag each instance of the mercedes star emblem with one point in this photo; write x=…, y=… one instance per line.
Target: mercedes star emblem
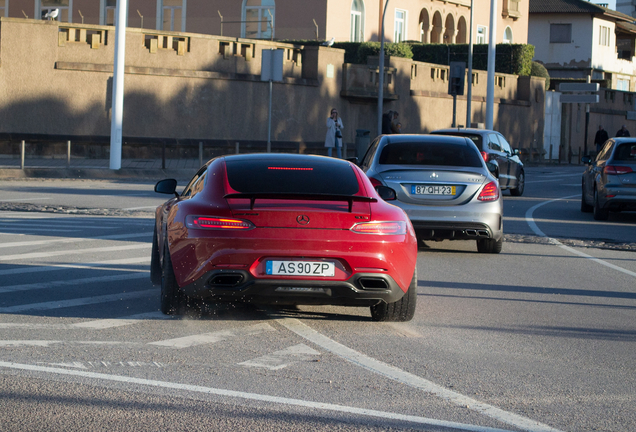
x=302, y=219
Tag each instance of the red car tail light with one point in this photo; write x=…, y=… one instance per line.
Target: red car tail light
x=375, y=182
x=490, y=192
x=613, y=169
x=218, y=223
x=484, y=155
x=381, y=228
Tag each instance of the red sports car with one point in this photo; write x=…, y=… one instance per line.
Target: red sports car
x=284, y=229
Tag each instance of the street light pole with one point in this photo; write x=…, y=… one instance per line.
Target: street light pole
x=381, y=71
x=117, y=108
x=469, y=78
x=490, y=89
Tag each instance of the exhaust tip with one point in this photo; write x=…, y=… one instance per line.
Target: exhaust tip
x=371, y=283
x=225, y=280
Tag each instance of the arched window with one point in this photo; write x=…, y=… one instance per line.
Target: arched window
x=507, y=37
x=259, y=17
x=357, y=21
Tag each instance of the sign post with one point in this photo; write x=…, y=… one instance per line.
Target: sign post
x=456, y=80
x=271, y=70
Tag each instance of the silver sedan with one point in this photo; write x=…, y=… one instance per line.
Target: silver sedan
x=443, y=185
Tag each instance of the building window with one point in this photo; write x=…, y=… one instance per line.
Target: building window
x=560, y=33
x=622, y=84
x=63, y=7
x=604, y=36
x=260, y=18
x=357, y=21
x=4, y=8
x=173, y=15
x=507, y=37
x=400, y=26
x=481, y=35
x=110, y=12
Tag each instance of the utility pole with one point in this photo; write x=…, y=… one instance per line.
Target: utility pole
x=381, y=71
x=469, y=78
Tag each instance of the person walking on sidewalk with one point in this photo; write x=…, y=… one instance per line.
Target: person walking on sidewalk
x=334, y=133
x=622, y=132
x=600, y=138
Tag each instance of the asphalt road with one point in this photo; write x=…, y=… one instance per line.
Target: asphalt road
x=538, y=338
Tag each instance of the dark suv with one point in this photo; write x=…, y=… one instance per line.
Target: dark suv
x=499, y=156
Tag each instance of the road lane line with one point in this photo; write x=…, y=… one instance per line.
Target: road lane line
x=59, y=304
x=411, y=380
x=74, y=240
x=93, y=324
x=25, y=200
x=95, y=265
x=34, y=255
x=210, y=338
x=37, y=230
x=283, y=358
x=321, y=406
x=537, y=231
x=70, y=282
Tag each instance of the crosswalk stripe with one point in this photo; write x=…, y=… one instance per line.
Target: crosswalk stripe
x=74, y=240
x=36, y=255
x=283, y=358
x=210, y=338
x=95, y=265
x=120, y=322
x=59, y=304
x=70, y=282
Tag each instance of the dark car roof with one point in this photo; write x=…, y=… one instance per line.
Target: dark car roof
x=423, y=138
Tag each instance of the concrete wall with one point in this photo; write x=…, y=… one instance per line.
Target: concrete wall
x=56, y=81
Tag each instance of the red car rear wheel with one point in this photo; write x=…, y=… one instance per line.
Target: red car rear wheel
x=173, y=301
x=401, y=310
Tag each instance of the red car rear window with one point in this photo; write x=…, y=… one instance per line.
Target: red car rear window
x=284, y=176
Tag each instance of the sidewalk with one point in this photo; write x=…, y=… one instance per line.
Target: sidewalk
x=97, y=168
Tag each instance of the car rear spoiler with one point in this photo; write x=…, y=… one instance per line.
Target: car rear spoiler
x=309, y=197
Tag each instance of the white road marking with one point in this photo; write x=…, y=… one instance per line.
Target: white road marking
x=253, y=397
x=48, y=343
x=210, y=338
x=119, y=322
x=93, y=324
x=79, y=301
x=36, y=230
x=411, y=380
x=96, y=265
x=74, y=240
x=109, y=364
x=140, y=208
x=25, y=200
x=553, y=177
x=283, y=358
x=54, y=226
x=35, y=255
x=537, y=231
x=70, y=282
x=555, y=221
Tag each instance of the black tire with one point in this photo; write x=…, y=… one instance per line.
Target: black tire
x=173, y=301
x=599, y=213
x=489, y=245
x=585, y=207
x=155, y=261
x=401, y=310
x=521, y=185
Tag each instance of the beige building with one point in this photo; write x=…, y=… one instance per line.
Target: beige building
x=430, y=21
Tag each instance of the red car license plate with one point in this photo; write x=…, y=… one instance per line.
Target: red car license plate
x=300, y=268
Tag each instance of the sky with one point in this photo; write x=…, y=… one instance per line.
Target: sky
x=612, y=3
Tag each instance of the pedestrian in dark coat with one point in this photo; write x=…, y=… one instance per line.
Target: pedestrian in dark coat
x=600, y=138
x=622, y=132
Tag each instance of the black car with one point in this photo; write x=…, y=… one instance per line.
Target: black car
x=501, y=159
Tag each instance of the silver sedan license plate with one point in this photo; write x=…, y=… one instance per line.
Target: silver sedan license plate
x=300, y=268
x=433, y=190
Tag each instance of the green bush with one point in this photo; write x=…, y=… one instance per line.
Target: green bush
x=367, y=49
x=539, y=70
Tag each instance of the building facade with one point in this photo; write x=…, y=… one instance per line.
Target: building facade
x=430, y=21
